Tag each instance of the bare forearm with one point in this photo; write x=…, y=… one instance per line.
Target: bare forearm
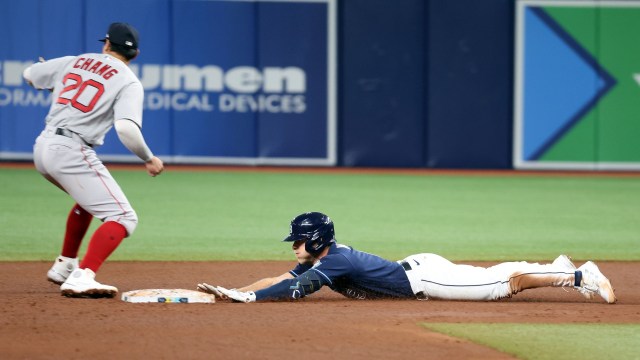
x=265, y=283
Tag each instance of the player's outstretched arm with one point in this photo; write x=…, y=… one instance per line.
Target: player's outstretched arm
x=258, y=285
x=265, y=283
x=131, y=137
x=41, y=75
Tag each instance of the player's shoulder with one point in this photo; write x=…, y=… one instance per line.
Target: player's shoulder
x=132, y=78
x=353, y=255
x=123, y=67
x=57, y=62
x=67, y=58
x=341, y=249
x=340, y=252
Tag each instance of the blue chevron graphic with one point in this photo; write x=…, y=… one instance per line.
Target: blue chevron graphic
x=563, y=83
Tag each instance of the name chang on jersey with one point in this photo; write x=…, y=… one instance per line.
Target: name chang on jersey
x=185, y=87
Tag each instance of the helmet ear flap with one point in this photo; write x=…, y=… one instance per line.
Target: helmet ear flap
x=311, y=246
x=321, y=238
x=316, y=228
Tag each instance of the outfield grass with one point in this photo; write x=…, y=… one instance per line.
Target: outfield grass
x=244, y=215
x=552, y=341
x=217, y=215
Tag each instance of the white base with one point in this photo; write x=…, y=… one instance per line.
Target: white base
x=178, y=296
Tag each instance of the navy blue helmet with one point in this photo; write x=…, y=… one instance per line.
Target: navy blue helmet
x=316, y=228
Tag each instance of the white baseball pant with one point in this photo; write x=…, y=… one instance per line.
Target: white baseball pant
x=432, y=276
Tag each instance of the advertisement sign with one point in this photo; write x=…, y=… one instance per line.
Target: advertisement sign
x=231, y=82
x=577, y=89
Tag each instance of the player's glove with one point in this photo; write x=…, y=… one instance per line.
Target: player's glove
x=210, y=289
x=236, y=295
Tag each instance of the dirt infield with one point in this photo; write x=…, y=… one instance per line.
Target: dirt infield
x=38, y=323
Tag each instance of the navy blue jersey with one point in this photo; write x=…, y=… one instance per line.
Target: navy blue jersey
x=353, y=273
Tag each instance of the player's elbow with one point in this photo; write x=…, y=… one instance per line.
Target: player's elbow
x=26, y=75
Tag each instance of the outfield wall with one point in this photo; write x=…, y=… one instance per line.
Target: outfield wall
x=380, y=83
x=242, y=82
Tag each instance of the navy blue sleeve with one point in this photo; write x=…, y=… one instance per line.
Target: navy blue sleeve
x=322, y=273
x=307, y=283
x=300, y=269
x=333, y=266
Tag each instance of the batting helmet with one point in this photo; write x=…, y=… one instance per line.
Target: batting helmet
x=316, y=228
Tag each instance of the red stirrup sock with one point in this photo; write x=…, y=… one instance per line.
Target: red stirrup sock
x=103, y=242
x=78, y=222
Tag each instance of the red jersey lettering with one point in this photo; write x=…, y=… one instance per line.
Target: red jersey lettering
x=77, y=64
x=95, y=67
x=86, y=64
x=103, y=70
x=109, y=74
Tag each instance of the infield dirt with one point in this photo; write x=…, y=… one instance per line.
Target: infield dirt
x=38, y=323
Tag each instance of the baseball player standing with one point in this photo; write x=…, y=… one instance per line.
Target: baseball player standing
x=91, y=93
x=356, y=274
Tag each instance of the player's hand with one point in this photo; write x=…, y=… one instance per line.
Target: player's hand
x=245, y=297
x=154, y=166
x=210, y=289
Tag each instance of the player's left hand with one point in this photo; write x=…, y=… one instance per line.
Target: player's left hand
x=210, y=289
x=245, y=297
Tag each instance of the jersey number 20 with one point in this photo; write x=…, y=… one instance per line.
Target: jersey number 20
x=80, y=86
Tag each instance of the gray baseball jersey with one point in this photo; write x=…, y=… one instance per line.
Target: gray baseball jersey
x=90, y=92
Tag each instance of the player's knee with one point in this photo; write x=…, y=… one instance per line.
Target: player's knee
x=129, y=220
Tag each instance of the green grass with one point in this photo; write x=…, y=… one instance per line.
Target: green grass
x=552, y=341
x=244, y=215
